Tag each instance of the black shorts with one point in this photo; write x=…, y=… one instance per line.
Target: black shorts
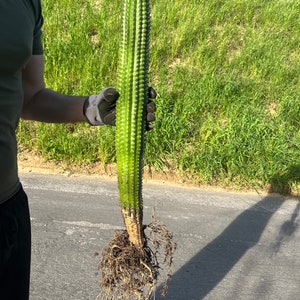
x=15, y=248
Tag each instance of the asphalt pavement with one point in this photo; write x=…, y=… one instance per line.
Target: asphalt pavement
x=229, y=245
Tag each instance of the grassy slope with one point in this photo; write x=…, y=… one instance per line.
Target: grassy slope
x=227, y=74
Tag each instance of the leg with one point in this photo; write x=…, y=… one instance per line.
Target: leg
x=15, y=248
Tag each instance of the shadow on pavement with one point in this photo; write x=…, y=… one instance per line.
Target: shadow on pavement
x=287, y=230
x=197, y=278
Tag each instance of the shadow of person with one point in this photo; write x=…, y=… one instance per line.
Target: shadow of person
x=287, y=230
x=199, y=276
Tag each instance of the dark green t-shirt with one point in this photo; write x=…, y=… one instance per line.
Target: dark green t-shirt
x=20, y=37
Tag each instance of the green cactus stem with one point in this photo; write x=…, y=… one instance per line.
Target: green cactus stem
x=131, y=109
x=129, y=267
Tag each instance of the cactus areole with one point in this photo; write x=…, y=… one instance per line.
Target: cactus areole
x=131, y=110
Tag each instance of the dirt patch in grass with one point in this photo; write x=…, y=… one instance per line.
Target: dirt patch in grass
x=32, y=162
x=35, y=163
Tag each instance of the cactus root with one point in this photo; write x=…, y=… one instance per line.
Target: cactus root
x=129, y=273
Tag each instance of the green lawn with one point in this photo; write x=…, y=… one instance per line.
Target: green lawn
x=227, y=75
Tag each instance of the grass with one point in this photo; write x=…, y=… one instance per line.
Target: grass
x=227, y=75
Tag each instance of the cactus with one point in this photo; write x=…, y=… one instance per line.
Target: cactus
x=129, y=267
x=131, y=109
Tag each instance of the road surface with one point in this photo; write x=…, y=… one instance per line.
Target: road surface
x=230, y=245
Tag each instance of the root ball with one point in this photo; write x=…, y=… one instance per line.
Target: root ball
x=131, y=273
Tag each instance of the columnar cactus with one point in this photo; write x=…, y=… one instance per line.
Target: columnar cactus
x=131, y=110
x=129, y=267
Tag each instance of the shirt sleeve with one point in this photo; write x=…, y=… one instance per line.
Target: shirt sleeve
x=37, y=47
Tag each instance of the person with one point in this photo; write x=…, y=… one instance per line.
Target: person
x=23, y=94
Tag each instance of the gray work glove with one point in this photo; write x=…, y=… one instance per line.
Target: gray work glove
x=101, y=109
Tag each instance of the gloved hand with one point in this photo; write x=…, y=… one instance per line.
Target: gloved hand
x=151, y=109
x=101, y=109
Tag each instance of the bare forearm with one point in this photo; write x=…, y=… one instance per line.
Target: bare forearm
x=51, y=107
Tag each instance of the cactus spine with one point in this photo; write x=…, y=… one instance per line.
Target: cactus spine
x=131, y=110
